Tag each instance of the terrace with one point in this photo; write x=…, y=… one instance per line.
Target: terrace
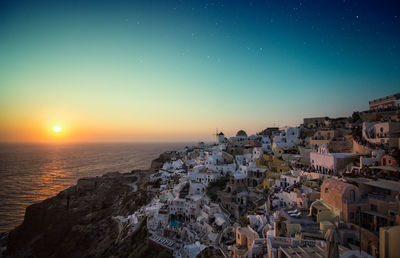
x=297, y=216
x=169, y=244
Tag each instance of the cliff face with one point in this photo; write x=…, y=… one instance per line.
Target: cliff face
x=157, y=164
x=78, y=221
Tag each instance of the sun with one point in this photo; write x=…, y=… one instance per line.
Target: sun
x=57, y=128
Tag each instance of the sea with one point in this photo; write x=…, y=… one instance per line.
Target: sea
x=30, y=173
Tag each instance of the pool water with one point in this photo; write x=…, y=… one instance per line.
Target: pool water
x=173, y=222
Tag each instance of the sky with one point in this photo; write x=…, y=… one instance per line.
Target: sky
x=178, y=70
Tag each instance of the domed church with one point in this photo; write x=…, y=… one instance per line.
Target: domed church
x=241, y=133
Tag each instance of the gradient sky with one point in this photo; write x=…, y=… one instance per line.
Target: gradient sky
x=177, y=70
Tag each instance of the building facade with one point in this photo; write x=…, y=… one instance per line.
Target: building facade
x=385, y=102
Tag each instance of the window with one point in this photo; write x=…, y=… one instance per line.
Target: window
x=374, y=207
x=351, y=215
x=326, y=190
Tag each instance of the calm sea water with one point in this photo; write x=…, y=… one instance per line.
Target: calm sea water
x=32, y=173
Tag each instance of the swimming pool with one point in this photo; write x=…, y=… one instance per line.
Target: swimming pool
x=173, y=222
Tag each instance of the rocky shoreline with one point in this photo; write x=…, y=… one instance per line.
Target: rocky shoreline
x=78, y=222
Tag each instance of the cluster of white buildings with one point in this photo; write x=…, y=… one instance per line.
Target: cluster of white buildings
x=288, y=137
x=273, y=179
x=182, y=210
x=185, y=217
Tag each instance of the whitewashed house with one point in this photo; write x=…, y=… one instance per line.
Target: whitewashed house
x=325, y=162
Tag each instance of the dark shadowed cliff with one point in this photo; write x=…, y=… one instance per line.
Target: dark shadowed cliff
x=78, y=221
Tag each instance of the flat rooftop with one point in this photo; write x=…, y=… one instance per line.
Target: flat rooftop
x=389, y=168
x=385, y=184
x=394, y=96
x=308, y=251
x=306, y=222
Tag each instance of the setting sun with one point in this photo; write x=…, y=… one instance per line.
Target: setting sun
x=57, y=128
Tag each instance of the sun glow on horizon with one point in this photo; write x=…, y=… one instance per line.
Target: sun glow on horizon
x=123, y=71
x=57, y=129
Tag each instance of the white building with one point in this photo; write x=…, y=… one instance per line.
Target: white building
x=222, y=168
x=187, y=208
x=221, y=137
x=382, y=133
x=192, y=250
x=284, y=199
x=196, y=188
x=266, y=144
x=157, y=216
x=288, y=179
x=330, y=163
x=214, y=158
x=287, y=138
x=202, y=174
x=244, y=159
x=385, y=102
x=240, y=139
x=173, y=165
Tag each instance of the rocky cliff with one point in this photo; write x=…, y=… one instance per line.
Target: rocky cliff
x=78, y=221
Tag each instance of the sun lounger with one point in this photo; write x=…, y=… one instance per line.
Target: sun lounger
x=297, y=214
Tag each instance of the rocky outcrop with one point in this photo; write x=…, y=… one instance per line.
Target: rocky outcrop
x=157, y=164
x=78, y=221
x=136, y=245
